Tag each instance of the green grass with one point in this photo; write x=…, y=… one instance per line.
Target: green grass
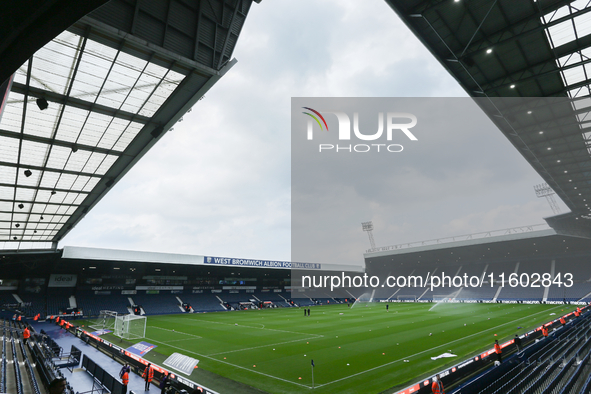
x=359, y=350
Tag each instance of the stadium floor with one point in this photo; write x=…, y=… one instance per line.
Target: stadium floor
x=80, y=380
x=355, y=350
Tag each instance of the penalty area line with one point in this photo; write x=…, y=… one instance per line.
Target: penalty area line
x=233, y=365
x=259, y=328
x=178, y=332
x=258, y=347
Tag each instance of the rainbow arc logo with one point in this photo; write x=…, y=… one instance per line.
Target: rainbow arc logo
x=315, y=118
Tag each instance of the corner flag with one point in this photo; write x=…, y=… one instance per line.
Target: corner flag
x=312, y=373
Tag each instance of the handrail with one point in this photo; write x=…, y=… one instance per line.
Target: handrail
x=17, y=370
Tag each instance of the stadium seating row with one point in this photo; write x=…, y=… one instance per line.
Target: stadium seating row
x=557, y=364
x=26, y=367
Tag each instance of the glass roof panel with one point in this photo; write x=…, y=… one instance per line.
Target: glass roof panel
x=92, y=91
x=90, y=184
x=58, y=157
x=130, y=132
x=92, y=71
x=33, y=153
x=53, y=65
x=6, y=193
x=23, y=194
x=574, y=75
x=71, y=123
x=49, y=179
x=8, y=149
x=559, y=13
x=13, y=113
x=561, y=33
x=106, y=164
x=77, y=160
x=583, y=24
x=32, y=180
x=7, y=174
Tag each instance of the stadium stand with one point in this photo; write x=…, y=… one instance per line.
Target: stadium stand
x=92, y=303
x=37, y=303
x=204, y=302
x=557, y=364
x=27, y=368
x=157, y=304
x=58, y=300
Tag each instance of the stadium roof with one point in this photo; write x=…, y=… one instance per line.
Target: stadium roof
x=84, y=253
x=528, y=64
x=536, y=245
x=91, y=102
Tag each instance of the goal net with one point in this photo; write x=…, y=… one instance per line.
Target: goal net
x=406, y=298
x=105, y=321
x=130, y=326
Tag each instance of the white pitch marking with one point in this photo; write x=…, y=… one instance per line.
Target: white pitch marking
x=424, y=351
x=260, y=328
x=258, y=347
x=177, y=332
x=233, y=365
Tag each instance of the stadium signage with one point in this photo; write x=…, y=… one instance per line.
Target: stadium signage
x=159, y=288
x=344, y=131
x=239, y=287
x=260, y=263
x=58, y=280
x=108, y=287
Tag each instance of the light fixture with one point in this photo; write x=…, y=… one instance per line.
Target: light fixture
x=21, y=206
x=512, y=86
x=17, y=225
x=489, y=50
x=42, y=103
x=28, y=173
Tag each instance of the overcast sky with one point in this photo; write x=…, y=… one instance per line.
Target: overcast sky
x=219, y=184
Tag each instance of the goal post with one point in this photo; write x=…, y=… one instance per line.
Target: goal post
x=105, y=321
x=130, y=326
x=406, y=298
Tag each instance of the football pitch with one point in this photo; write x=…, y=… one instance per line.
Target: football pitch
x=355, y=350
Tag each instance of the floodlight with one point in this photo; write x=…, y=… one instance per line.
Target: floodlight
x=28, y=173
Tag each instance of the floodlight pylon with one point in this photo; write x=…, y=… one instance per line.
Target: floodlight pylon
x=544, y=190
x=368, y=226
